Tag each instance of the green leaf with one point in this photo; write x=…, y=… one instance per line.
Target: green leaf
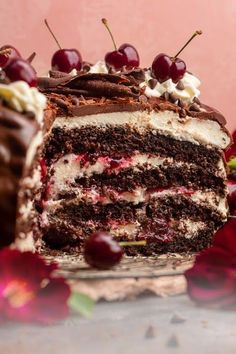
x=232, y=163
x=81, y=303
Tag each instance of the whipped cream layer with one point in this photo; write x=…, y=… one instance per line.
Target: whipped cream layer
x=194, y=130
x=23, y=98
x=191, y=84
x=206, y=198
x=68, y=168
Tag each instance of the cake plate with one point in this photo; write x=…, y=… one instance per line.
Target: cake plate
x=161, y=275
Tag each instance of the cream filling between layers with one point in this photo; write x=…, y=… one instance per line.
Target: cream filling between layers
x=142, y=195
x=197, y=131
x=68, y=168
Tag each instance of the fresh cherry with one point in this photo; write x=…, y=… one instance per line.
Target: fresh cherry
x=65, y=60
x=126, y=55
x=165, y=67
x=19, y=69
x=7, y=53
x=132, y=57
x=177, y=70
x=115, y=59
x=102, y=251
x=161, y=67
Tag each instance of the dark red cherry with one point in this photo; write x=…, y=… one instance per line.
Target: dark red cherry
x=66, y=60
x=7, y=53
x=161, y=67
x=115, y=59
x=102, y=251
x=19, y=69
x=177, y=70
x=125, y=55
x=165, y=67
x=132, y=56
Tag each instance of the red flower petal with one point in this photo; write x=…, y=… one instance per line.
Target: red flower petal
x=25, y=266
x=212, y=279
x=27, y=290
x=49, y=306
x=225, y=238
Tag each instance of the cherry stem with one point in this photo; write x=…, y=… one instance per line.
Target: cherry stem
x=196, y=33
x=6, y=51
x=133, y=243
x=31, y=57
x=50, y=30
x=104, y=21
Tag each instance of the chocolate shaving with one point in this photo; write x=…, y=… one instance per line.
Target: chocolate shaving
x=180, y=85
x=182, y=113
x=181, y=103
x=50, y=82
x=138, y=74
x=152, y=83
x=172, y=98
x=165, y=95
x=143, y=99
x=194, y=107
x=196, y=100
x=55, y=74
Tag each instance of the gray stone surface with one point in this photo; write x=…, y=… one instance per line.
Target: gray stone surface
x=148, y=325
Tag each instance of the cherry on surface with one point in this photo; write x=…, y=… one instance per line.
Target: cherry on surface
x=7, y=53
x=101, y=251
x=19, y=69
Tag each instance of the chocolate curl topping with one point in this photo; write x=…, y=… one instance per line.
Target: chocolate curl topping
x=91, y=85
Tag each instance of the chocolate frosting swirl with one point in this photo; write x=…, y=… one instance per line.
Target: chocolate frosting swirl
x=16, y=133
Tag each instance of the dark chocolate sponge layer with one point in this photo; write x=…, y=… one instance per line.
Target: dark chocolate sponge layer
x=119, y=141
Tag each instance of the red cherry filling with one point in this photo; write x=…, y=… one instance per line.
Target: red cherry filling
x=19, y=69
x=102, y=251
x=157, y=230
x=7, y=53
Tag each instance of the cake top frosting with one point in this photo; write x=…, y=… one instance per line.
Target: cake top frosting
x=127, y=89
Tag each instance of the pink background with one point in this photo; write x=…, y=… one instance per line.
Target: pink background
x=153, y=26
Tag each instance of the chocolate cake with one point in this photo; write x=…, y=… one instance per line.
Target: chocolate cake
x=21, y=119
x=132, y=156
